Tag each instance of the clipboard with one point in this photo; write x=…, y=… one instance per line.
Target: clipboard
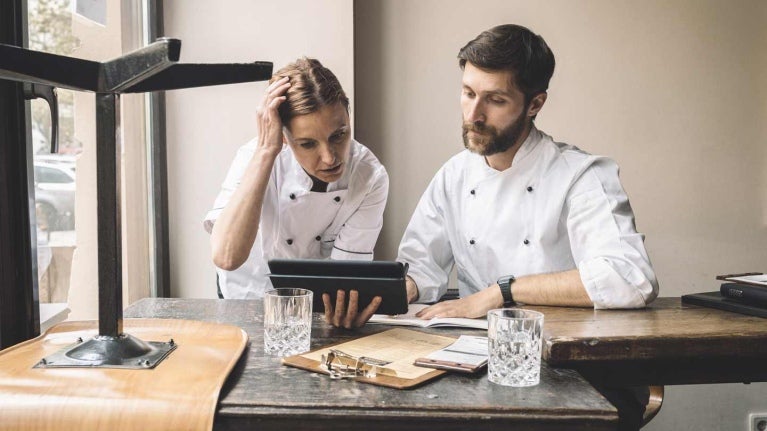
x=395, y=349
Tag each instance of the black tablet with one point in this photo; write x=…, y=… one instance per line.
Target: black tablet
x=369, y=278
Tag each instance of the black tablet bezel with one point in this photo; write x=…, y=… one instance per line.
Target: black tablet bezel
x=369, y=278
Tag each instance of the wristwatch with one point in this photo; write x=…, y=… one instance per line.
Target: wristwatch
x=505, y=284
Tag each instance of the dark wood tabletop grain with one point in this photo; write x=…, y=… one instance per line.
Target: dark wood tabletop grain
x=666, y=343
x=263, y=394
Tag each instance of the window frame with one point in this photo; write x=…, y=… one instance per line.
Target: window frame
x=19, y=304
x=19, y=294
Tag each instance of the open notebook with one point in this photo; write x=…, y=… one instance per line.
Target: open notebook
x=409, y=319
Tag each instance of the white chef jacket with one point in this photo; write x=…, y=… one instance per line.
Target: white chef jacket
x=342, y=223
x=556, y=208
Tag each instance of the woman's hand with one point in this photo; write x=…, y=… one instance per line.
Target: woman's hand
x=269, y=124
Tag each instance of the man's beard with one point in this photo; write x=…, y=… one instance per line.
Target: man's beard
x=492, y=142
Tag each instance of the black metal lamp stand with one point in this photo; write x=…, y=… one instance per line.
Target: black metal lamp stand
x=152, y=68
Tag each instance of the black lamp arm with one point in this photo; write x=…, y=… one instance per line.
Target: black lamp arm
x=47, y=93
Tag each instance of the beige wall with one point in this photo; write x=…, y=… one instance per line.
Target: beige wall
x=675, y=91
x=206, y=126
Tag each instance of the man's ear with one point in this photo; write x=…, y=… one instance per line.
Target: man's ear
x=536, y=104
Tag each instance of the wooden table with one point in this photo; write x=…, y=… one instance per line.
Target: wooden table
x=666, y=344
x=262, y=394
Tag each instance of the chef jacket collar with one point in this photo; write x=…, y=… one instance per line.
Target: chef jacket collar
x=299, y=182
x=484, y=171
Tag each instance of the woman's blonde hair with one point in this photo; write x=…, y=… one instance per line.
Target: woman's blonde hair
x=312, y=86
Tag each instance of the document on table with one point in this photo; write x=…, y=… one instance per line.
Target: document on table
x=759, y=279
x=467, y=354
x=409, y=319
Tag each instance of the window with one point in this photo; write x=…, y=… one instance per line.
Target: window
x=64, y=183
x=55, y=175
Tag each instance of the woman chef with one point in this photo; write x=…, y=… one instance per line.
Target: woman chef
x=303, y=189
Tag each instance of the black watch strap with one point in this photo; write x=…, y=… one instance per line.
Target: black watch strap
x=504, y=283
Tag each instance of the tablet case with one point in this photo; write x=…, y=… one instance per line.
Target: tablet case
x=368, y=278
x=716, y=300
x=750, y=294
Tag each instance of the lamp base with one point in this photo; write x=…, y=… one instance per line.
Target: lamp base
x=123, y=351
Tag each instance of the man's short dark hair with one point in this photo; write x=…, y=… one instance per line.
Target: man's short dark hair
x=514, y=48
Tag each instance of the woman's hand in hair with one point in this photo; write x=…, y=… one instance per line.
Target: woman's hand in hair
x=270, y=136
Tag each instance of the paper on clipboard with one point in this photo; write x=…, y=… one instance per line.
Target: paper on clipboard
x=398, y=347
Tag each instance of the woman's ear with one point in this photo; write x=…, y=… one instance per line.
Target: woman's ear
x=285, y=133
x=536, y=104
